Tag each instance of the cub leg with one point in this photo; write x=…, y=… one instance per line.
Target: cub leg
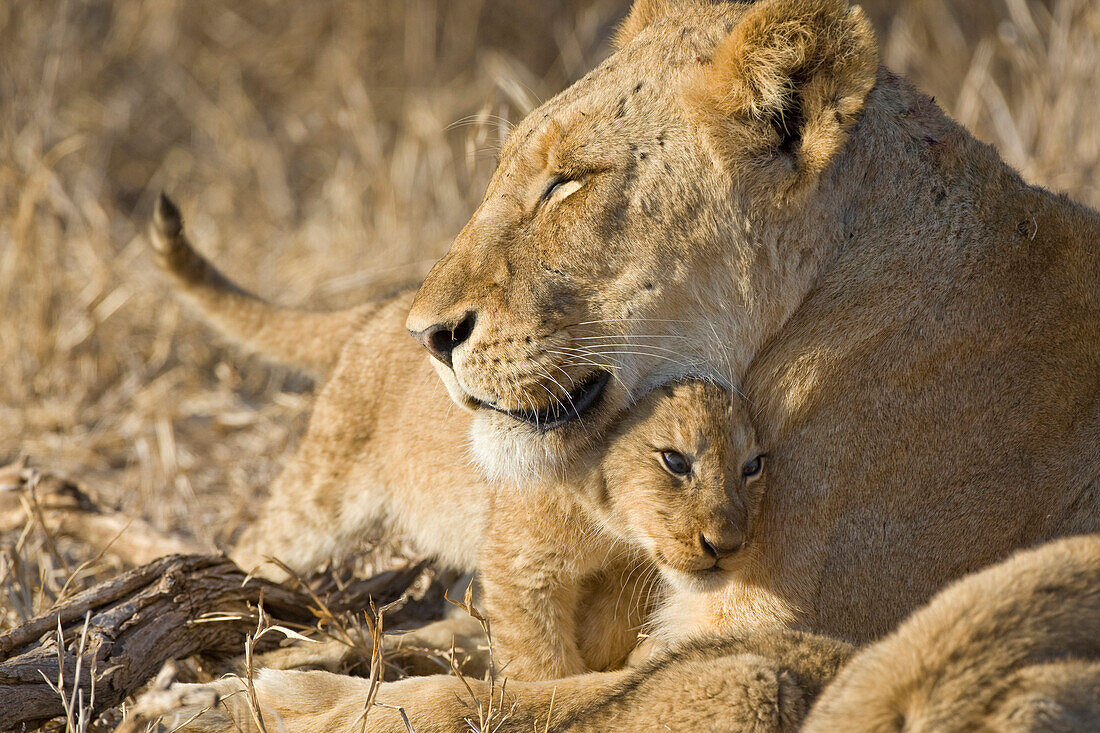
x=537, y=550
x=614, y=604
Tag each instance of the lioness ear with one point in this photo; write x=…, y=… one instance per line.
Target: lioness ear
x=642, y=14
x=786, y=85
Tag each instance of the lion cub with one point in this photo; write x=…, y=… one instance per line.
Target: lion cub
x=675, y=487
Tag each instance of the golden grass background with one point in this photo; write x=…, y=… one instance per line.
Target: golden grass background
x=322, y=150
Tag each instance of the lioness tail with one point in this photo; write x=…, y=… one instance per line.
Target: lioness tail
x=310, y=339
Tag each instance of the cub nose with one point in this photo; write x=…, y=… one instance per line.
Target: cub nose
x=441, y=339
x=720, y=545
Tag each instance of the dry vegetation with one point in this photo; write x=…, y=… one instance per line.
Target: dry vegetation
x=323, y=151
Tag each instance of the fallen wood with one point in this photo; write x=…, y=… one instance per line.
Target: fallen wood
x=131, y=625
x=67, y=508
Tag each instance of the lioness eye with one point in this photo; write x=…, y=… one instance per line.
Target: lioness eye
x=558, y=188
x=676, y=463
x=753, y=467
x=553, y=185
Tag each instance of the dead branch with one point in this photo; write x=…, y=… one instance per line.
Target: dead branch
x=172, y=608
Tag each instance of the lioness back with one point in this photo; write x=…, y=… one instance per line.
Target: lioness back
x=1015, y=647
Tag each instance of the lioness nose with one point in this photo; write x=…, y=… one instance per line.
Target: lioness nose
x=720, y=545
x=441, y=339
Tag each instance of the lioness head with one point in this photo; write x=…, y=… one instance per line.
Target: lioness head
x=682, y=475
x=660, y=218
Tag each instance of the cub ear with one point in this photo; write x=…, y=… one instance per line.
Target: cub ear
x=642, y=14
x=785, y=86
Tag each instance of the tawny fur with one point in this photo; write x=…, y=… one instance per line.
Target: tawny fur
x=383, y=441
x=1056, y=697
x=629, y=511
x=766, y=681
x=1011, y=648
x=385, y=451
x=566, y=566
x=1016, y=647
x=920, y=327
x=309, y=339
x=668, y=517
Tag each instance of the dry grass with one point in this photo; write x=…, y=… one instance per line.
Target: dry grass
x=310, y=144
x=315, y=150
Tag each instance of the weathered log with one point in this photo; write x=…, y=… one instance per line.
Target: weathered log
x=139, y=620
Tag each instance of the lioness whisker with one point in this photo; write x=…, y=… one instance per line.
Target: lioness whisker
x=633, y=336
x=627, y=343
x=620, y=352
x=631, y=320
x=575, y=355
x=555, y=401
x=476, y=119
x=531, y=406
x=542, y=370
x=578, y=359
x=572, y=383
x=639, y=563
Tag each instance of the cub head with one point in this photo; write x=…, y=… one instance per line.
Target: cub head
x=682, y=476
x=658, y=219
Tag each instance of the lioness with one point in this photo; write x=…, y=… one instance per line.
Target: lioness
x=742, y=187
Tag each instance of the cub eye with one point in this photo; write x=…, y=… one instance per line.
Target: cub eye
x=753, y=468
x=676, y=463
